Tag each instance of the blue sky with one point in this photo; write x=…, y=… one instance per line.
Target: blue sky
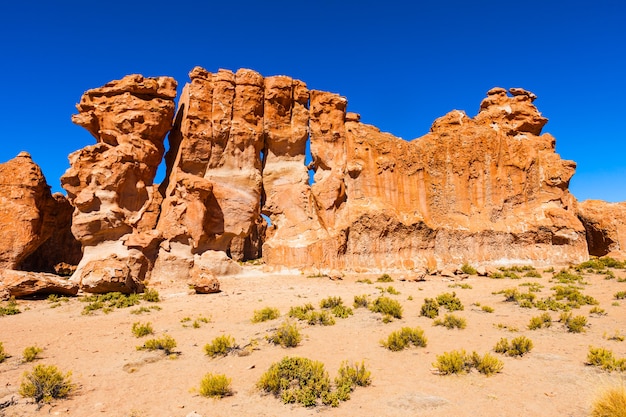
x=400, y=64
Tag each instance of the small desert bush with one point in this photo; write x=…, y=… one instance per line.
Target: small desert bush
x=387, y=307
x=391, y=290
x=611, y=403
x=487, y=364
x=487, y=309
x=215, y=386
x=574, y=324
x=287, y=335
x=151, y=295
x=468, y=269
x=604, y=359
x=458, y=362
x=303, y=381
x=384, y=278
x=430, y=308
x=9, y=308
x=265, y=314
x=517, y=347
x=532, y=274
x=220, y=346
x=453, y=362
x=107, y=302
x=539, y=322
x=301, y=312
x=361, y=301
x=404, y=337
x=353, y=375
x=620, y=295
x=331, y=302
x=31, y=353
x=342, y=311
x=450, y=321
x=297, y=380
x=320, y=317
x=463, y=286
x=364, y=281
x=144, y=309
x=617, y=336
x=597, y=311
x=3, y=354
x=450, y=301
x=141, y=330
x=166, y=343
x=566, y=277
x=45, y=383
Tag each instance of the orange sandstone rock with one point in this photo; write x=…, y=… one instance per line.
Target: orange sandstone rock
x=605, y=224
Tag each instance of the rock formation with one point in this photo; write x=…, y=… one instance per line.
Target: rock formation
x=34, y=225
x=110, y=184
x=605, y=224
x=484, y=190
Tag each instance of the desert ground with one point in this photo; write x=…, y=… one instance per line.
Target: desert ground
x=113, y=378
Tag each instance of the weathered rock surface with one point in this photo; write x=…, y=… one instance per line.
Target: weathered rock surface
x=34, y=225
x=605, y=224
x=110, y=184
x=22, y=283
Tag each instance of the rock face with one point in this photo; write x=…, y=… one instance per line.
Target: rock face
x=483, y=190
x=488, y=189
x=32, y=221
x=110, y=184
x=605, y=224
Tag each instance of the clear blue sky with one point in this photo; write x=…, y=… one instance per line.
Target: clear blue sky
x=400, y=64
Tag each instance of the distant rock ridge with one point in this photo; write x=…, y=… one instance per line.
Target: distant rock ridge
x=483, y=190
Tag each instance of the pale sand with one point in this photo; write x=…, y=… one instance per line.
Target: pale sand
x=115, y=379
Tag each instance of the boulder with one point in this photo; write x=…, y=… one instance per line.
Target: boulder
x=22, y=284
x=605, y=224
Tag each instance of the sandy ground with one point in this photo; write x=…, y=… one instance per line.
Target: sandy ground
x=115, y=379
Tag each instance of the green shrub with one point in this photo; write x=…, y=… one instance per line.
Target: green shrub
x=361, y=301
x=144, y=309
x=364, y=281
x=391, y=290
x=387, y=306
x=265, y=314
x=220, y=346
x=3, y=354
x=487, y=309
x=539, y=322
x=611, y=403
x=454, y=362
x=303, y=381
x=9, y=308
x=517, y=347
x=331, y=302
x=487, y=365
x=301, y=312
x=450, y=321
x=430, y=308
x=296, y=380
x=450, y=301
x=604, y=359
x=463, y=286
x=458, y=362
x=620, y=295
x=384, y=278
x=107, y=302
x=566, y=277
x=532, y=274
x=287, y=335
x=215, y=386
x=31, y=353
x=404, y=337
x=320, y=317
x=151, y=295
x=574, y=324
x=166, y=344
x=45, y=383
x=598, y=311
x=342, y=311
x=355, y=375
x=468, y=269
x=141, y=330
